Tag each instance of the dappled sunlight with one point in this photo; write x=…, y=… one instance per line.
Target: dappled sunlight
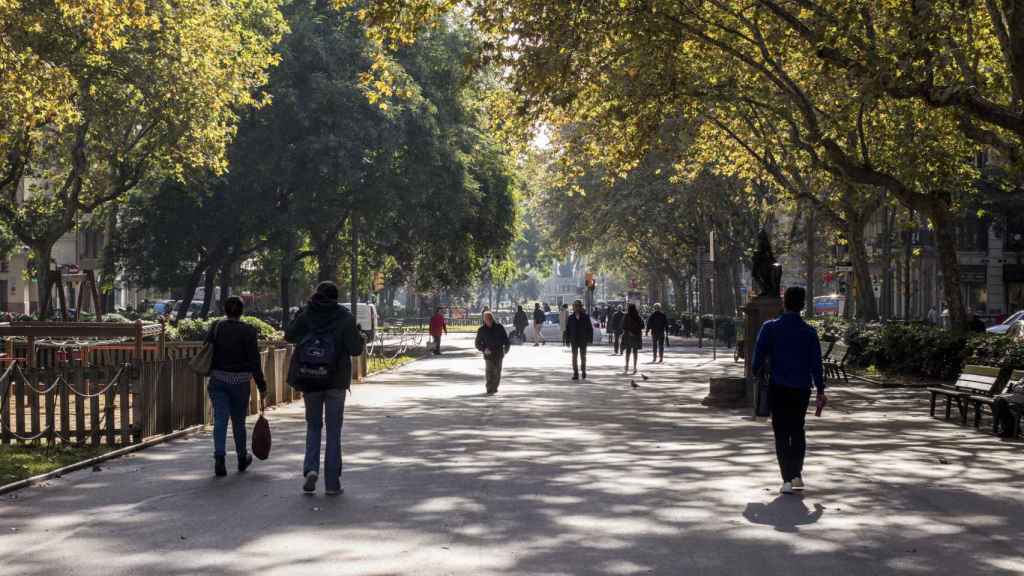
x=552, y=477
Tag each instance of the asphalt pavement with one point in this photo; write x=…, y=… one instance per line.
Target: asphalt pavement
x=548, y=477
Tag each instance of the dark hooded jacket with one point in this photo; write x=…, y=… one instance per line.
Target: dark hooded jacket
x=494, y=338
x=579, y=331
x=657, y=322
x=616, y=322
x=521, y=320
x=325, y=314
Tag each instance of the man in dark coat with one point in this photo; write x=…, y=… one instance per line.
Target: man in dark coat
x=492, y=340
x=657, y=323
x=329, y=325
x=579, y=331
x=615, y=327
x=521, y=321
x=538, y=323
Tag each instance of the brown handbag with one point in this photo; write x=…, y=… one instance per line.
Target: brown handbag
x=261, y=439
x=202, y=363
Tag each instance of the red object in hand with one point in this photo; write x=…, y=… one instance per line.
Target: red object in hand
x=819, y=404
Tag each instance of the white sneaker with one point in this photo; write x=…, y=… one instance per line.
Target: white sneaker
x=798, y=483
x=787, y=488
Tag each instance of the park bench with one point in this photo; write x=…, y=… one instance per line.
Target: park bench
x=834, y=361
x=977, y=385
x=982, y=400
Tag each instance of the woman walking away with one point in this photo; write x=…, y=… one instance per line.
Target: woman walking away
x=632, y=335
x=236, y=361
x=492, y=340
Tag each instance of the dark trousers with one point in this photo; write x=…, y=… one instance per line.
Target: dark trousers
x=618, y=340
x=580, y=349
x=230, y=402
x=492, y=368
x=658, y=344
x=789, y=408
x=437, y=344
x=324, y=407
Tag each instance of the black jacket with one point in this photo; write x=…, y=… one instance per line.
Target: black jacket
x=631, y=325
x=616, y=323
x=494, y=339
x=579, y=331
x=521, y=320
x=657, y=322
x=538, y=316
x=325, y=314
x=235, y=349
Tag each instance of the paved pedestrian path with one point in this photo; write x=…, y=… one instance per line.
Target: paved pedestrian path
x=549, y=477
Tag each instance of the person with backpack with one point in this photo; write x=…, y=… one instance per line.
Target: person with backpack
x=492, y=340
x=326, y=337
x=236, y=361
x=632, y=335
x=579, y=331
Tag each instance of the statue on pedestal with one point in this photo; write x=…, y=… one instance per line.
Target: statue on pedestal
x=766, y=271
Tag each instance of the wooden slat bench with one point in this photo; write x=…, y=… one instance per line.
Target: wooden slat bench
x=981, y=400
x=976, y=384
x=834, y=361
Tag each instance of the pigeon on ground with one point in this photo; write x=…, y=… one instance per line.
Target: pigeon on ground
x=644, y=376
x=634, y=384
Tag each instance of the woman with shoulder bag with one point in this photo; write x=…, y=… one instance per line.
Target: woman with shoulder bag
x=236, y=361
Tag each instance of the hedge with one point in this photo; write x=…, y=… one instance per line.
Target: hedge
x=922, y=349
x=191, y=330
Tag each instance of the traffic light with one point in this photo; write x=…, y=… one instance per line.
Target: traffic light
x=842, y=286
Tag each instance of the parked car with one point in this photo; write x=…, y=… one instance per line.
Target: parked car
x=366, y=317
x=1004, y=327
x=161, y=307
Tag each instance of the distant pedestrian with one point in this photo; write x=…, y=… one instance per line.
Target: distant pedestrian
x=615, y=327
x=632, y=335
x=789, y=348
x=933, y=316
x=437, y=327
x=326, y=337
x=520, y=322
x=236, y=361
x=657, y=324
x=538, y=324
x=975, y=324
x=492, y=340
x=563, y=317
x=579, y=332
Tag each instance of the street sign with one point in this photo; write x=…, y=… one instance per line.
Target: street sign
x=842, y=269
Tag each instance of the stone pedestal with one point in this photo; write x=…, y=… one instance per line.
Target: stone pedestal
x=756, y=312
x=726, y=392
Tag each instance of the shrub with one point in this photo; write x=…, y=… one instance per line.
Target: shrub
x=116, y=319
x=192, y=330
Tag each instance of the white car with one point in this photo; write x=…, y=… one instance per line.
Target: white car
x=366, y=317
x=552, y=332
x=1005, y=326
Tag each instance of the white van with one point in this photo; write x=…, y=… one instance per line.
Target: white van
x=366, y=317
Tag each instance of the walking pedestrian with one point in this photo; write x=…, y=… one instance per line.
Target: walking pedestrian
x=236, y=361
x=326, y=337
x=437, y=326
x=538, y=323
x=520, y=322
x=632, y=335
x=933, y=316
x=579, y=331
x=789, y=348
x=657, y=323
x=563, y=317
x=492, y=340
x=615, y=327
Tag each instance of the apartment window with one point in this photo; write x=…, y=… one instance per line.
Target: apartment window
x=5, y=266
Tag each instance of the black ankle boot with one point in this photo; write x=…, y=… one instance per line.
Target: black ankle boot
x=218, y=466
x=244, y=462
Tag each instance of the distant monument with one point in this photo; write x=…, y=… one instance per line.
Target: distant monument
x=765, y=269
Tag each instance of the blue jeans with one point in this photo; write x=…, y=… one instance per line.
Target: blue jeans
x=332, y=403
x=229, y=401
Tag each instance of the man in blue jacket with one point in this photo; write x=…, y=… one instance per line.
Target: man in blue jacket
x=792, y=350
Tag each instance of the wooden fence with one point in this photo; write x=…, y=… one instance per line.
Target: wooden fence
x=118, y=403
